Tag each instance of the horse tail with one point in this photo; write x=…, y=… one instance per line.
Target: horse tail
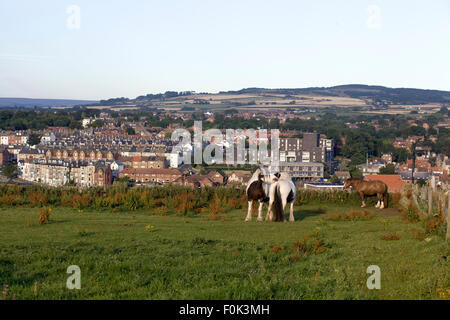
x=277, y=204
x=386, y=197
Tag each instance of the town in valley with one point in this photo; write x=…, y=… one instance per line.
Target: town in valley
x=322, y=141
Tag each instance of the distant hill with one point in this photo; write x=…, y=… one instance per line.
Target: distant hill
x=351, y=95
x=31, y=103
x=359, y=91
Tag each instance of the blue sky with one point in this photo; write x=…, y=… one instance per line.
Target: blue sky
x=134, y=47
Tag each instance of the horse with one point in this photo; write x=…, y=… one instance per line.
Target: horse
x=281, y=192
x=258, y=188
x=369, y=188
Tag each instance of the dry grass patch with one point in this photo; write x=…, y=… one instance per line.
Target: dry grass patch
x=351, y=216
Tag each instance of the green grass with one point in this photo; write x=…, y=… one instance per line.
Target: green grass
x=196, y=258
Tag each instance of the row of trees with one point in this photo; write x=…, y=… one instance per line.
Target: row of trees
x=24, y=119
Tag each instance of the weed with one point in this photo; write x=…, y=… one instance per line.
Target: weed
x=351, y=216
x=277, y=249
x=308, y=246
x=411, y=213
x=391, y=237
x=44, y=215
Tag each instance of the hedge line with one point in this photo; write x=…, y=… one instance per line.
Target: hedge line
x=162, y=200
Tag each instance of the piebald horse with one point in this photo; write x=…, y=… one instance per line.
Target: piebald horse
x=369, y=188
x=281, y=192
x=258, y=188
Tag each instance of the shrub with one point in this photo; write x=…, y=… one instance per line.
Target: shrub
x=308, y=246
x=411, y=213
x=434, y=224
x=80, y=201
x=37, y=199
x=44, y=215
x=11, y=200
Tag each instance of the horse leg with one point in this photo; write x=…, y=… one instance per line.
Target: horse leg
x=380, y=198
x=382, y=202
x=249, y=213
x=283, y=205
x=269, y=211
x=361, y=194
x=260, y=218
x=291, y=212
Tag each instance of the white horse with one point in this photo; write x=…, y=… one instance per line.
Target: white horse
x=258, y=188
x=281, y=192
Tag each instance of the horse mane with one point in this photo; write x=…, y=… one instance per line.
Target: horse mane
x=255, y=176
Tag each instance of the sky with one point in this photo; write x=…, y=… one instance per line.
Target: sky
x=99, y=49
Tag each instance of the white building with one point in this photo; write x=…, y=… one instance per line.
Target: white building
x=86, y=122
x=175, y=160
x=48, y=138
x=116, y=167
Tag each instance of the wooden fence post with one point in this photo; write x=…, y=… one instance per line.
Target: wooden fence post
x=448, y=217
x=430, y=201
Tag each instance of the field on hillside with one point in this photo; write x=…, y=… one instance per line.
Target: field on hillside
x=137, y=255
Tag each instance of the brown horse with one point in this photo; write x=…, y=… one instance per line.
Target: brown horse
x=369, y=188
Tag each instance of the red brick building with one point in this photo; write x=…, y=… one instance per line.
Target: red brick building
x=215, y=177
x=195, y=180
x=102, y=174
x=149, y=175
x=5, y=156
x=393, y=181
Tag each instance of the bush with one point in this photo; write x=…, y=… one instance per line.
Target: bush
x=411, y=213
x=310, y=244
x=44, y=215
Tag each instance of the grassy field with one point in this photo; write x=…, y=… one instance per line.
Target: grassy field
x=136, y=255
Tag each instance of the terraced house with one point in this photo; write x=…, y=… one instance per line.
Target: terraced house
x=143, y=162
x=151, y=175
x=61, y=172
x=82, y=155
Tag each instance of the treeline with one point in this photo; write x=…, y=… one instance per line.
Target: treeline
x=145, y=98
x=24, y=119
x=158, y=200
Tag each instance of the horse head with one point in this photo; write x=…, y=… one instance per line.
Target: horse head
x=273, y=177
x=349, y=183
x=352, y=182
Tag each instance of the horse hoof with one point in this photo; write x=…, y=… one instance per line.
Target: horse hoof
x=247, y=220
x=260, y=220
x=291, y=220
